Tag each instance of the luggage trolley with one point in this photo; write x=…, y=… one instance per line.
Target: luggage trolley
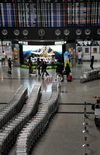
x=33, y=72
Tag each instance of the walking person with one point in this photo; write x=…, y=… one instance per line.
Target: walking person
x=59, y=70
x=3, y=58
x=68, y=72
x=44, y=66
x=38, y=66
x=92, y=62
x=9, y=66
x=30, y=65
x=59, y=78
x=79, y=57
x=41, y=64
x=67, y=69
x=53, y=61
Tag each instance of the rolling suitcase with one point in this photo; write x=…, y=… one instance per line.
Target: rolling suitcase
x=69, y=78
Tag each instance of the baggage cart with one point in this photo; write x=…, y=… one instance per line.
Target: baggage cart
x=33, y=72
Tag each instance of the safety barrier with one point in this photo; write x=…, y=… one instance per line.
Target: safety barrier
x=10, y=131
x=37, y=125
x=90, y=75
x=13, y=107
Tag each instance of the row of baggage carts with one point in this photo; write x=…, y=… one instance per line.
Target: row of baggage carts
x=37, y=125
x=13, y=107
x=11, y=129
x=90, y=75
x=27, y=120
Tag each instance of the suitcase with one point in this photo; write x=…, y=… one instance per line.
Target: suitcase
x=9, y=70
x=47, y=78
x=69, y=78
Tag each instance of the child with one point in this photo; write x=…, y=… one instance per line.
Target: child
x=59, y=78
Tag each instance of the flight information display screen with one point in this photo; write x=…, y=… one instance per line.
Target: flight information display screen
x=32, y=15
x=49, y=13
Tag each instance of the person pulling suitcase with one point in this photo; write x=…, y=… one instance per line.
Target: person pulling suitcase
x=68, y=72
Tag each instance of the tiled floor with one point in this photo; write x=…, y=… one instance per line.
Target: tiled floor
x=64, y=135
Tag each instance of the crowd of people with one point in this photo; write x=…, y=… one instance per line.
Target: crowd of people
x=5, y=60
x=61, y=70
x=80, y=56
x=40, y=64
x=42, y=70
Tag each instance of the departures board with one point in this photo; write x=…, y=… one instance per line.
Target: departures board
x=32, y=15
x=49, y=13
x=84, y=14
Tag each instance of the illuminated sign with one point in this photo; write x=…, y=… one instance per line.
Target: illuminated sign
x=60, y=42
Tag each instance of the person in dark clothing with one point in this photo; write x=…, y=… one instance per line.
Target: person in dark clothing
x=44, y=65
x=41, y=64
x=9, y=66
x=30, y=65
x=67, y=69
x=38, y=66
x=92, y=62
x=59, y=70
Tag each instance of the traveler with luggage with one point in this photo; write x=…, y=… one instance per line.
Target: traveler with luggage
x=59, y=70
x=68, y=72
x=67, y=69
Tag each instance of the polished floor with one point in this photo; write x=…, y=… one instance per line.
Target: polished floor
x=64, y=134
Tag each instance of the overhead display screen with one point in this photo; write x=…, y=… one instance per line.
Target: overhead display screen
x=45, y=13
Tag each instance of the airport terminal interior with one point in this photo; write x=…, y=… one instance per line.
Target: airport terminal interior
x=47, y=28
x=64, y=134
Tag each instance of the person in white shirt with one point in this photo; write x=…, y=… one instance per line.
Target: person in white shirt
x=79, y=57
x=3, y=58
x=59, y=79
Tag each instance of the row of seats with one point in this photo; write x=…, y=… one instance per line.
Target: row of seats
x=13, y=107
x=90, y=75
x=37, y=125
x=10, y=131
